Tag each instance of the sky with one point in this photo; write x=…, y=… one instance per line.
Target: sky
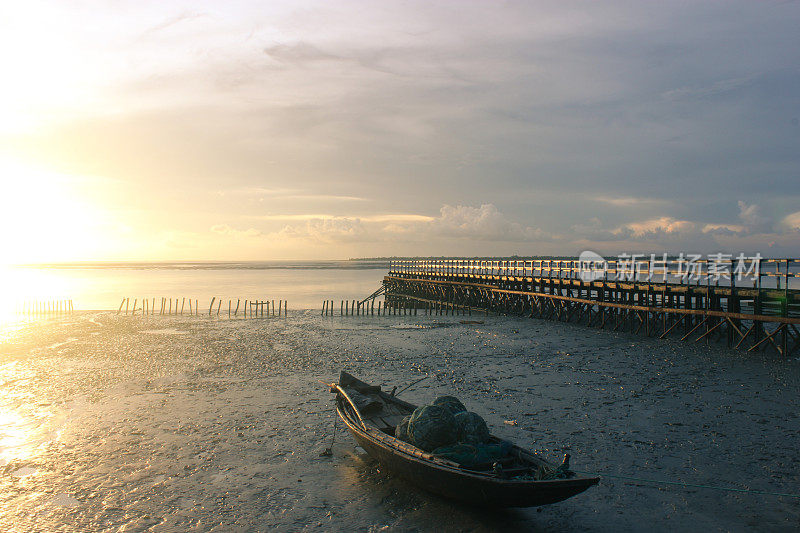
x=328, y=130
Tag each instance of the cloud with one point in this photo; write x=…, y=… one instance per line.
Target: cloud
x=329, y=231
x=289, y=194
x=534, y=123
x=224, y=229
x=631, y=201
x=751, y=217
x=656, y=227
x=388, y=217
x=484, y=223
x=481, y=223
x=704, y=91
x=792, y=221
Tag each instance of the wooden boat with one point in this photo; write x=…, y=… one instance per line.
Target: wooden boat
x=372, y=416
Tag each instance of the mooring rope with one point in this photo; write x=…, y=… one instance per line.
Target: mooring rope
x=409, y=386
x=693, y=485
x=327, y=452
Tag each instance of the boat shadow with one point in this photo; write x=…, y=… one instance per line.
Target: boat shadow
x=395, y=496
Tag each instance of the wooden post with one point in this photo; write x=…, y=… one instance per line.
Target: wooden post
x=118, y=310
x=126, y=306
x=279, y=307
x=237, y=307
x=196, y=307
x=210, y=307
x=219, y=304
x=324, y=307
x=190, y=306
x=170, y=307
x=135, y=300
x=347, y=307
x=183, y=302
x=341, y=307
x=285, y=308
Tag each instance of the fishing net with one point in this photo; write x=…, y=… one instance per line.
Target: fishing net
x=470, y=456
x=432, y=426
x=451, y=403
x=401, y=431
x=472, y=428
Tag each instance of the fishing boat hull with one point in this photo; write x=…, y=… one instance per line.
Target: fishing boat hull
x=449, y=479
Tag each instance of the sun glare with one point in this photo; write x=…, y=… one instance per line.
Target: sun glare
x=44, y=217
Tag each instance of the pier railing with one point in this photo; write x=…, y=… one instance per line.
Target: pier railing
x=726, y=270
x=748, y=302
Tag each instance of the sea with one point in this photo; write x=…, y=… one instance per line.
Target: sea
x=103, y=286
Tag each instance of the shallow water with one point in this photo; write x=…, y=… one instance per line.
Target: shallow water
x=194, y=424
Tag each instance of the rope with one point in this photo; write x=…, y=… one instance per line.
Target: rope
x=329, y=451
x=695, y=485
x=412, y=384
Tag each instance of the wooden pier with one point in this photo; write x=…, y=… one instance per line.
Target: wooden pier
x=656, y=298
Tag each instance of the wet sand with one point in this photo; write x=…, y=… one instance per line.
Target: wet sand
x=195, y=424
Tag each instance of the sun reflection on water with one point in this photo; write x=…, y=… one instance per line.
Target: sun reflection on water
x=27, y=292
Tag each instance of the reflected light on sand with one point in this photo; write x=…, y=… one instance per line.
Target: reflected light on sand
x=25, y=426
